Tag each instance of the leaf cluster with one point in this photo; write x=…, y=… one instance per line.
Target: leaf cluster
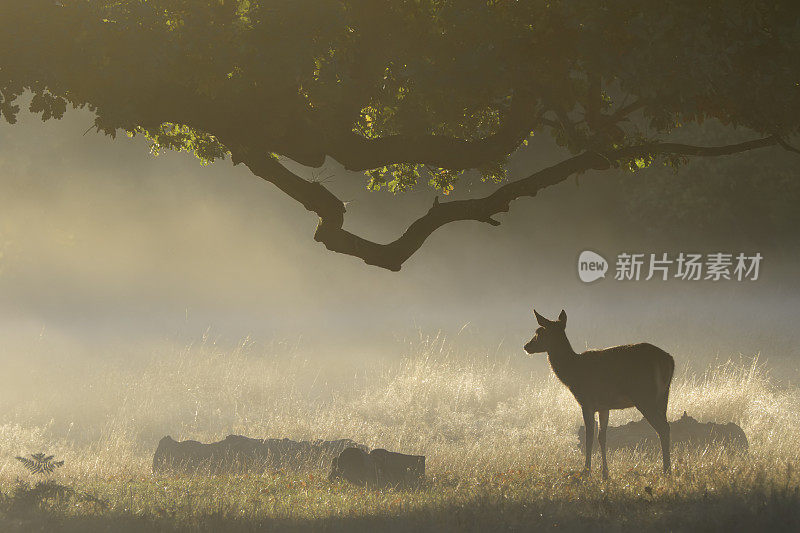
x=341, y=78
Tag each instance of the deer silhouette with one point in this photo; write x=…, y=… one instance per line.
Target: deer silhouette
x=633, y=375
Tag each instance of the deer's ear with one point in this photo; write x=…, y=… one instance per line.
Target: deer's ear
x=540, y=319
x=562, y=317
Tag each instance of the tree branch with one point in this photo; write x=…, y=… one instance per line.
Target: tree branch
x=391, y=256
x=658, y=148
x=786, y=146
x=312, y=195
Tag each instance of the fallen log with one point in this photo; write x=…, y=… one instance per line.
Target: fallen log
x=240, y=454
x=378, y=468
x=686, y=430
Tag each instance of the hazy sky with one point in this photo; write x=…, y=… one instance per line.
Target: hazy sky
x=101, y=241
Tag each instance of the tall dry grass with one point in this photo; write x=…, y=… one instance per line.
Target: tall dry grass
x=471, y=414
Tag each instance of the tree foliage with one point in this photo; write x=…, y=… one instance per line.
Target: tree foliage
x=409, y=91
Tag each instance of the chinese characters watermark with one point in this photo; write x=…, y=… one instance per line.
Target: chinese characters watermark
x=662, y=266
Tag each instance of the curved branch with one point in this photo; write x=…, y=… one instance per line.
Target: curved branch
x=659, y=148
x=786, y=146
x=391, y=256
x=312, y=195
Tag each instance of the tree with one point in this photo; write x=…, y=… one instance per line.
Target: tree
x=410, y=90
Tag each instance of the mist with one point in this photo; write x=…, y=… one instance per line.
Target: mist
x=108, y=250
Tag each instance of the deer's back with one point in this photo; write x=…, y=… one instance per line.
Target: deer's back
x=628, y=356
x=622, y=375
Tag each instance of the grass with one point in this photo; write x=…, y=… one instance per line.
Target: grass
x=499, y=437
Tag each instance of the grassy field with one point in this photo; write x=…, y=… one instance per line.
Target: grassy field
x=499, y=438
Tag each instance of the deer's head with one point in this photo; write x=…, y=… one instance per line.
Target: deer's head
x=548, y=335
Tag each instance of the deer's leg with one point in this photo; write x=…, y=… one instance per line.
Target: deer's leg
x=601, y=438
x=588, y=421
x=658, y=419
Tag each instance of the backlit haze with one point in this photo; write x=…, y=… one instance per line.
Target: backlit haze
x=108, y=251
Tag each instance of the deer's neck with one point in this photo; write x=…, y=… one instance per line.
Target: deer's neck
x=562, y=360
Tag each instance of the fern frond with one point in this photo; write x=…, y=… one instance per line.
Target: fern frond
x=39, y=463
